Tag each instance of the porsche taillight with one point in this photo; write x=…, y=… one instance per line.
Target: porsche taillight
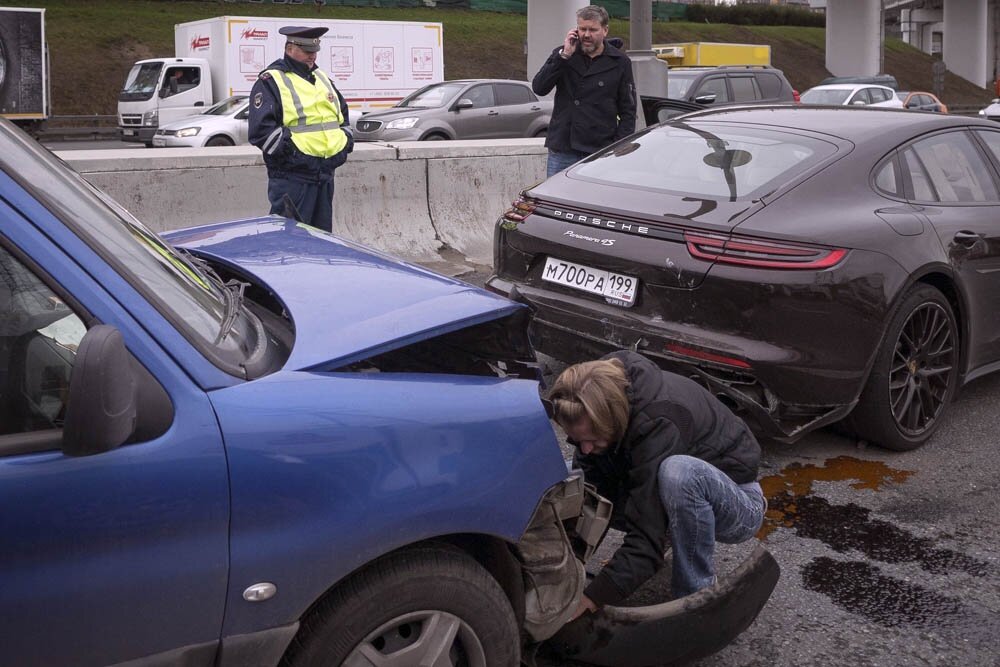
x=761, y=254
x=520, y=209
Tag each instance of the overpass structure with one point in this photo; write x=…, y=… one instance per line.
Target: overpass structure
x=968, y=32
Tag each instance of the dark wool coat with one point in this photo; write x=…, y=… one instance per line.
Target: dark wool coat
x=594, y=104
x=668, y=414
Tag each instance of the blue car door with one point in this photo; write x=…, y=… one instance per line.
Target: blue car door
x=113, y=556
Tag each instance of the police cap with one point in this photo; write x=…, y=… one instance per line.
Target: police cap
x=306, y=39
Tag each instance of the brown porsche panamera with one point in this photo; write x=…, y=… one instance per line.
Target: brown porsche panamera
x=806, y=264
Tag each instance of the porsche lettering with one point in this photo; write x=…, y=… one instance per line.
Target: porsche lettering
x=601, y=222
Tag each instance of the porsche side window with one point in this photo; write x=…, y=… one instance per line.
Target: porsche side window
x=886, y=178
x=992, y=141
x=955, y=168
x=39, y=336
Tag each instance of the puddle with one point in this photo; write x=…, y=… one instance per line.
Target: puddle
x=850, y=527
x=783, y=491
x=860, y=587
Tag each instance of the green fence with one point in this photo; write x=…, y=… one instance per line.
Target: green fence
x=662, y=11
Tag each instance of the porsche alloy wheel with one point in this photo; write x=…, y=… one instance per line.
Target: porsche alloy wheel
x=915, y=374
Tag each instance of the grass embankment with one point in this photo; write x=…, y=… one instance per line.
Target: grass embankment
x=92, y=44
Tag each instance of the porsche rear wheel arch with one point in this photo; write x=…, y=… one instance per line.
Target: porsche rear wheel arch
x=424, y=602
x=915, y=373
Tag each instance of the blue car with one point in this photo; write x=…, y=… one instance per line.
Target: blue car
x=254, y=443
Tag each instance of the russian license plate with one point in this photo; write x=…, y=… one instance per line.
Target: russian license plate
x=128, y=133
x=616, y=288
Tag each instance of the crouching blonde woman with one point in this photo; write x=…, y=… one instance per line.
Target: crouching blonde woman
x=675, y=461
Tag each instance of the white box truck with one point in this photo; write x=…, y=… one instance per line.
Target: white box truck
x=24, y=66
x=374, y=64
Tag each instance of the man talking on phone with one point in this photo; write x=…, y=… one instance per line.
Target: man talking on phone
x=595, y=94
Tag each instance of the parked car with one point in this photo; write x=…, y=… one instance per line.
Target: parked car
x=258, y=443
x=887, y=80
x=717, y=86
x=921, y=101
x=224, y=124
x=852, y=94
x=992, y=112
x=466, y=109
x=808, y=265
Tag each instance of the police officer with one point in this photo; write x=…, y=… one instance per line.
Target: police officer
x=299, y=120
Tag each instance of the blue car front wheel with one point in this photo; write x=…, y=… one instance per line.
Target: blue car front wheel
x=425, y=605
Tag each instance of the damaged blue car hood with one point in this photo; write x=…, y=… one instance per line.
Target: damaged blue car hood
x=346, y=301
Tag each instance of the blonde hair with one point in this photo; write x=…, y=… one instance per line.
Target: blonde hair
x=596, y=389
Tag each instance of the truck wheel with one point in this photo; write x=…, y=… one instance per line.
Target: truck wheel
x=914, y=376
x=421, y=606
x=219, y=141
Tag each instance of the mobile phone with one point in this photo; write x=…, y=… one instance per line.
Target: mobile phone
x=575, y=37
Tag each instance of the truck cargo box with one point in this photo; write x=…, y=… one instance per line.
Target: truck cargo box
x=713, y=54
x=374, y=64
x=24, y=81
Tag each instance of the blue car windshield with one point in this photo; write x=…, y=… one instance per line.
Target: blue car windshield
x=194, y=302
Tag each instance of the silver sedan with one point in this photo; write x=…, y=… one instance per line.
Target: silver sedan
x=224, y=124
x=466, y=109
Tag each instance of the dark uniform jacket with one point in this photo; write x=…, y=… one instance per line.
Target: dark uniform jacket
x=669, y=414
x=283, y=158
x=594, y=102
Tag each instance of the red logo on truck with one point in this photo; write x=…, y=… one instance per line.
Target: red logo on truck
x=253, y=33
x=199, y=42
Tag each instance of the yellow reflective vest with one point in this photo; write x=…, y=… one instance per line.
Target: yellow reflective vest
x=312, y=112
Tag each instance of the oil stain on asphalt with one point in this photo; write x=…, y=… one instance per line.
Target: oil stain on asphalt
x=857, y=586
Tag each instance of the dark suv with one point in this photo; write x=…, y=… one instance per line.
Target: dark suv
x=729, y=85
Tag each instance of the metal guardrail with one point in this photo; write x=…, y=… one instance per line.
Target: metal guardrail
x=78, y=127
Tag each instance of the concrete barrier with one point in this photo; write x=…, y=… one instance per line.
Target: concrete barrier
x=414, y=199
x=471, y=183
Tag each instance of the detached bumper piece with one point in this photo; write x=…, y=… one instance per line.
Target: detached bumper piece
x=676, y=632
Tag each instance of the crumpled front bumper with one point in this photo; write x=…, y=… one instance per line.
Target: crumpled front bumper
x=676, y=632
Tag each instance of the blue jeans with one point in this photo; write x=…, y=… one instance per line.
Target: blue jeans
x=559, y=160
x=704, y=506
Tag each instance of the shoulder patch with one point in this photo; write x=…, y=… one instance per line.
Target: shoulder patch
x=258, y=100
x=265, y=75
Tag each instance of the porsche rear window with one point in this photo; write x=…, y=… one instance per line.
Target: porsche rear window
x=706, y=159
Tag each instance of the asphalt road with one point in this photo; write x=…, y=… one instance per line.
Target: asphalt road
x=887, y=558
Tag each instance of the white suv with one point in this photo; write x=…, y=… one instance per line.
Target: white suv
x=852, y=94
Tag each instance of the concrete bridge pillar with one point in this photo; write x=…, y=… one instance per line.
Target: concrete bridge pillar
x=548, y=22
x=965, y=40
x=854, y=37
